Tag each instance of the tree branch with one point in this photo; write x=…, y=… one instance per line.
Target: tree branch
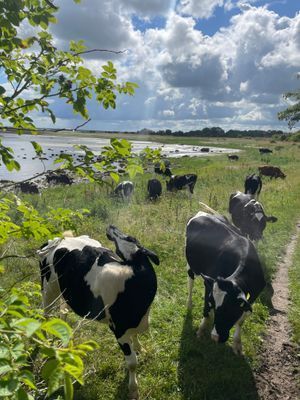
x=84, y=123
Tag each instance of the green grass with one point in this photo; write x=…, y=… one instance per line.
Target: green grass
x=294, y=276
x=174, y=364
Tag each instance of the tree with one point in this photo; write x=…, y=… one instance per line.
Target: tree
x=292, y=113
x=36, y=72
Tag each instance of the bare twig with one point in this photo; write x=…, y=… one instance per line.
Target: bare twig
x=81, y=125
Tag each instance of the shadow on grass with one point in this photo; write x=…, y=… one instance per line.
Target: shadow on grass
x=210, y=371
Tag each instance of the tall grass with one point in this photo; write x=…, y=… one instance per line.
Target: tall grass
x=174, y=364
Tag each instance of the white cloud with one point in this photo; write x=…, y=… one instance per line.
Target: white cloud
x=199, y=9
x=168, y=113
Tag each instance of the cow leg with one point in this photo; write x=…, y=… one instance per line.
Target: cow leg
x=207, y=312
x=191, y=279
x=136, y=343
x=51, y=295
x=131, y=364
x=237, y=340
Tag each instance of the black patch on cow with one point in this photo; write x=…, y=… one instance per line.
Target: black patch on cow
x=71, y=268
x=125, y=348
x=132, y=304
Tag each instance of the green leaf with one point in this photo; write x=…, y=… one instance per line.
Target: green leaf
x=29, y=325
x=59, y=329
x=115, y=176
x=8, y=387
x=68, y=387
x=134, y=169
x=2, y=90
x=38, y=149
x=4, y=366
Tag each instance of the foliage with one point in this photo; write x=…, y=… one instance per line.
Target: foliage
x=292, y=113
x=37, y=356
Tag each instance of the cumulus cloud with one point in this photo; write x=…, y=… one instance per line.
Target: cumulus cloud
x=199, y=9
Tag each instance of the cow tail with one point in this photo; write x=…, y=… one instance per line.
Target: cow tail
x=207, y=208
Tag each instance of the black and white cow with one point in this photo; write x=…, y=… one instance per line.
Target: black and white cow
x=124, y=190
x=179, y=182
x=98, y=284
x=232, y=273
x=154, y=189
x=265, y=150
x=253, y=185
x=29, y=187
x=248, y=215
x=59, y=178
x=233, y=157
x=166, y=171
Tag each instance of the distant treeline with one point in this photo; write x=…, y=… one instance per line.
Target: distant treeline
x=215, y=132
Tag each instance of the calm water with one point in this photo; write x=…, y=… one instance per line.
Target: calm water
x=53, y=145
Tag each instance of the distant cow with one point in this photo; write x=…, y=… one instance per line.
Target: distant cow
x=179, y=182
x=59, y=178
x=253, y=185
x=29, y=187
x=166, y=171
x=264, y=150
x=204, y=149
x=248, y=215
x=232, y=272
x=233, y=157
x=124, y=190
x=272, y=172
x=154, y=189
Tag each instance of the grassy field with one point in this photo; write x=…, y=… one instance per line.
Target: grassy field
x=174, y=364
x=295, y=294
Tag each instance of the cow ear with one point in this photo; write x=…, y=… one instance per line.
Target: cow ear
x=208, y=281
x=245, y=305
x=153, y=257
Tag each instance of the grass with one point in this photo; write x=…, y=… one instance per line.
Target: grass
x=294, y=276
x=174, y=364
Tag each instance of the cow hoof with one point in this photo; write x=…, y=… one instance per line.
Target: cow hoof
x=133, y=395
x=237, y=349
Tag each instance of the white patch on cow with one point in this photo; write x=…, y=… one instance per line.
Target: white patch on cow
x=127, y=249
x=69, y=243
x=218, y=295
x=214, y=335
x=108, y=281
x=259, y=215
x=199, y=214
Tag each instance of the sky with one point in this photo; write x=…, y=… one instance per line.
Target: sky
x=198, y=63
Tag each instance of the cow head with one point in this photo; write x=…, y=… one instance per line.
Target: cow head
x=229, y=303
x=127, y=247
x=255, y=219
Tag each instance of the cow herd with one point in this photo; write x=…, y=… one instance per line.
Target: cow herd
x=118, y=287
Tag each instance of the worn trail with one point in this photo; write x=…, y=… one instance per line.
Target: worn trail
x=276, y=378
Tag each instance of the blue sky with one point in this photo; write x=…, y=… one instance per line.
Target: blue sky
x=198, y=63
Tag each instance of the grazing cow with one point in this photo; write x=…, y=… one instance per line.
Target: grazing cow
x=204, y=149
x=124, y=190
x=29, y=187
x=253, y=185
x=58, y=178
x=117, y=289
x=232, y=273
x=154, y=189
x=273, y=172
x=233, y=157
x=163, y=171
x=179, y=182
x=248, y=215
x=264, y=150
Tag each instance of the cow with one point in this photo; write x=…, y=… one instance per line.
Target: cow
x=154, y=189
x=204, y=149
x=253, y=185
x=179, y=182
x=232, y=273
x=98, y=284
x=272, y=172
x=233, y=157
x=58, y=178
x=124, y=190
x=248, y=215
x=162, y=171
x=29, y=187
x=264, y=150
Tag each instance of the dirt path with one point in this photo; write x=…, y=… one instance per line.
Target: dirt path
x=276, y=378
